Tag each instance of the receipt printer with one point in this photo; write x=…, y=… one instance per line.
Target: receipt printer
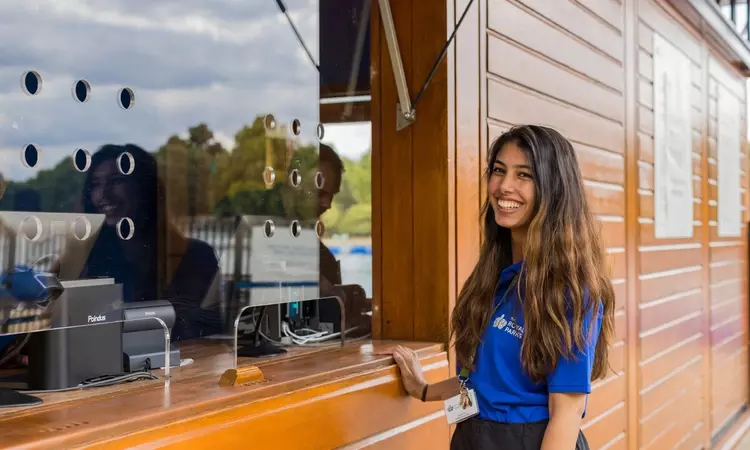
x=143, y=336
x=85, y=337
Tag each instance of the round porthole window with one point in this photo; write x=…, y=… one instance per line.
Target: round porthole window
x=295, y=178
x=81, y=160
x=126, y=98
x=125, y=163
x=81, y=228
x=125, y=228
x=319, y=180
x=269, y=122
x=81, y=91
x=30, y=156
x=295, y=228
x=296, y=127
x=31, y=228
x=269, y=175
x=31, y=82
x=269, y=228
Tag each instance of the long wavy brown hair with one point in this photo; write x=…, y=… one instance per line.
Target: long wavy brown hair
x=563, y=264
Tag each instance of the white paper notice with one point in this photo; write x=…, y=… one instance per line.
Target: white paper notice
x=673, y=142
x=729, y=132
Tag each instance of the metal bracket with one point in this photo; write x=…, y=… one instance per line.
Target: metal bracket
x=405, y=114
x=404, y=119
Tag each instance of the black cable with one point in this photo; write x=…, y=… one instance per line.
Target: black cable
x=282, y=7
x=103, y=381
x=441, y=57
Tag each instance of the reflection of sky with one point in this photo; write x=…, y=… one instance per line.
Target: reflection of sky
x=349, y=139
x=221, y=62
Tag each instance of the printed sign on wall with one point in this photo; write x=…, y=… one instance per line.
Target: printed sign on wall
x=673, y=145
x=728, y=178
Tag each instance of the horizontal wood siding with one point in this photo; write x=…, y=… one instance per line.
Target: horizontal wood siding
x=672, y=297
x=727, y=271
x=562, y=63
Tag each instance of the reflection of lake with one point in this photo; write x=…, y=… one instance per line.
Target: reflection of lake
x=357, y=269
x=355, y=258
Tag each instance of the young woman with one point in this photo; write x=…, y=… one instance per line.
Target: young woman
x=533, y=322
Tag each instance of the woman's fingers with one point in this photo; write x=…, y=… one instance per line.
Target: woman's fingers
x=405, y=353
x=401, y=362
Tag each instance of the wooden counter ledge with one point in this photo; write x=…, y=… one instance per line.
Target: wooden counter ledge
x=309, y=398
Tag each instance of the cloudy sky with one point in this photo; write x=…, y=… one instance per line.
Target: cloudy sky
x=188, y=61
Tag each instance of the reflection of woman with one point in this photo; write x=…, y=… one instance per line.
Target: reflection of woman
x=331, y=168
x=157, y=262
x=533, y=321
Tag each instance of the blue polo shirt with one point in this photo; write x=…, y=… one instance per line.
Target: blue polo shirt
x=505, y=393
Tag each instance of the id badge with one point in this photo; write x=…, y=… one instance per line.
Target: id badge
x=461, y=407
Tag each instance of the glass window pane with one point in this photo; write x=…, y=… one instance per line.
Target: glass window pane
x=225, y=146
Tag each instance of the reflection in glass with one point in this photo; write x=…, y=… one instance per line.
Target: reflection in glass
x=31, y=82
x=346, y=202
x=126, y=98
x=81, y=160
x=222, y=135
x=125, y=163
x=30, y=155
x=81, y=91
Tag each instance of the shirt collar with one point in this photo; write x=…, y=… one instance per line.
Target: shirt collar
x=509, y=272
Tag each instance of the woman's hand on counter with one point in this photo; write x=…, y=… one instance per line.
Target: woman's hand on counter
x=411, y=371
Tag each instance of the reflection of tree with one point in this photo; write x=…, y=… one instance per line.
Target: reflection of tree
x=203, y=178
x=59, y=188
x=239, y=185
x=186, y=166
x=351, y=212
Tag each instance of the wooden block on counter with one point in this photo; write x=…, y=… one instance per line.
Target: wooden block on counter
x=241, y=375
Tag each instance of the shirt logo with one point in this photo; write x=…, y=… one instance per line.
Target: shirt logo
x=508, y=326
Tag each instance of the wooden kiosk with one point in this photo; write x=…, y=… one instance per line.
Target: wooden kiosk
x=585, y=67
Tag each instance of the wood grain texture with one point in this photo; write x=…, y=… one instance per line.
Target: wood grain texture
x=241, y=375
x=310, y=399
x=676, y=358
x=586, y=68
x=414, y=195
x=569, y=74
x=376, y=83
x=727, y=270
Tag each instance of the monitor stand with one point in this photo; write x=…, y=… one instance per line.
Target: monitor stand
x=259, y=347
x=10, y=398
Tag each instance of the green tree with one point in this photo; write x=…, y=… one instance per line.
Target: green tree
x=59, y=189
x=189, y=168
x=351, y=212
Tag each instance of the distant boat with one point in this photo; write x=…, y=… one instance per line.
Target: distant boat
x=354, y=250
x=360, y=250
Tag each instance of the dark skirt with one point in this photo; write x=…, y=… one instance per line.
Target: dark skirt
x=479, y=434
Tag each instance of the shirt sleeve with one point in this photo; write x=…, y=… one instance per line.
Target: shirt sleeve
x=573, y=375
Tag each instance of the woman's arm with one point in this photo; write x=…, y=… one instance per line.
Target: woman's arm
x=568, y=385
x=565, y=411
